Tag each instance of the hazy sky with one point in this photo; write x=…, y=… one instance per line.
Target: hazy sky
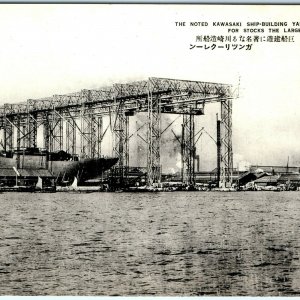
x=56, y=49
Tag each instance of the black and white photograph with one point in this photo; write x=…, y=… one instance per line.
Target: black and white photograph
x=149, y=150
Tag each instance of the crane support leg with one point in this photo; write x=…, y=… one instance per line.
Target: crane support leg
x=8, y=135
x=188, y=150
x=153, y=138
x=71, y=136
x=96, y=136
x=218, y=151
x=226, y=143
x=121, y=145
x=31, y=131
x=91, y=126
x=56, y=133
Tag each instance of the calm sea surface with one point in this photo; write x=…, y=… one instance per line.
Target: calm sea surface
x=180, y=243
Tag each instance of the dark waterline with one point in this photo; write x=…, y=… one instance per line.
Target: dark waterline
x=181, y=243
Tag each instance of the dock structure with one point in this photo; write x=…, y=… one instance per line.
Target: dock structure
x=66, y=118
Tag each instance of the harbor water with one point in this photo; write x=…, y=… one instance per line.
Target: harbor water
x=177, y=243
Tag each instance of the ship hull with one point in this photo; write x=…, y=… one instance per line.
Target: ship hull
x=64, y=171
x=84, y=170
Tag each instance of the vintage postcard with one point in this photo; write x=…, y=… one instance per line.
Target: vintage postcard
x=149, y=150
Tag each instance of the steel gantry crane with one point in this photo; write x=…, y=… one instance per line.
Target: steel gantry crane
x=65, y=118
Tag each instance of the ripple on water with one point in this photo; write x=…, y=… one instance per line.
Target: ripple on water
x=188, y=244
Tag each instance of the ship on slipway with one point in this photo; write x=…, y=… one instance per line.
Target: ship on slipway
x=61, y=164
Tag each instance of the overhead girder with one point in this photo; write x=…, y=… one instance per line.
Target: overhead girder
x=135, y=95
x=191, y=87
x=42, y=104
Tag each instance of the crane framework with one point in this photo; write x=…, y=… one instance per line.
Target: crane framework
x=81, y=115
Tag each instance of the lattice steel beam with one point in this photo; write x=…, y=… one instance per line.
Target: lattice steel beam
x=153, y=137
x=71, y=136
x=8, y=134
x=18, y=123
x=188, y=150
x=154, y=96
x=97, y=137
x=218, y=151
x=68, y=100
x=91, y=127
x=226, y=143
x=31, y=131
x=134, y=93
x=55, y=127
x=165, y=85
x=100, y=96
x=86, y=126
x=121, y=143
x=15, y=109
x=42, y=104
x=46, y=133
x=24, y=138
x=133, y=90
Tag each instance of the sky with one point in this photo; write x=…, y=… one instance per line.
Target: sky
x=57, y=49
